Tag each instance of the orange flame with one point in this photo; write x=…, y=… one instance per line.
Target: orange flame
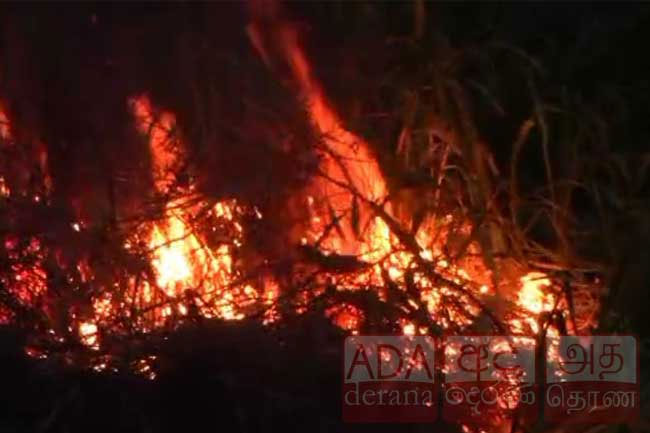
x=180, y=257
x=193, y=277
x=5, y=132
x=351, y=180
x=28, y=281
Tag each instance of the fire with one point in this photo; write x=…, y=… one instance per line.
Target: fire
x=27, y=282
x=192, y=278
x=88, y=334
x=532, y=297
x=181, y=259
x=351, y=187
x=190, y=275
x=5, y=133
x=172, y=250
x=347, y=163
x=358, y=166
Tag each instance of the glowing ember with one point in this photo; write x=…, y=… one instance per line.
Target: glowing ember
x=190, y=273
x=88, y=334
x=4, y=124
x=344, y=221
x=532, y=297
x=346, y=317
x=180, y=257
x=350, y=185
x=27, y=282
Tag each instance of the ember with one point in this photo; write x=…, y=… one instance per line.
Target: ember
x=351, y=221
x=413, y=224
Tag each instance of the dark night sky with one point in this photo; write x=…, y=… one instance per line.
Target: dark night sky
x=67, y=69
x=124, y=47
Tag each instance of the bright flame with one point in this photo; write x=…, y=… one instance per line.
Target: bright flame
x=88, y=334
x=28, y=281
x=532, y=297
x=351, y=183
x=181, y=259
x=5, y=133
x=350, y=188
x=348, y=217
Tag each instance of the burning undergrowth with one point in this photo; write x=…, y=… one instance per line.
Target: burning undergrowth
x=297, y=214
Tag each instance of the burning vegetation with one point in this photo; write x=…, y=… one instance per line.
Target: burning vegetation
x=358, y=242
x=432, y=273
x=422, y=238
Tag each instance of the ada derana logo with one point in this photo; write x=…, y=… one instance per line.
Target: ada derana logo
x=389, y=379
